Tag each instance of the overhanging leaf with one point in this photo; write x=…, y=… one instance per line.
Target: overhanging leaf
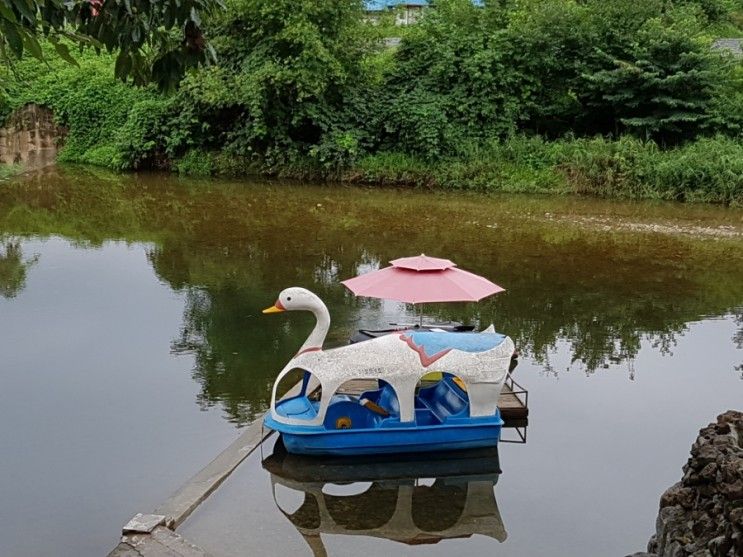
x=13, y=38
x=64, y=52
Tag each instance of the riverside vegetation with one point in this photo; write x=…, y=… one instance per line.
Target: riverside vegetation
x=620, y=98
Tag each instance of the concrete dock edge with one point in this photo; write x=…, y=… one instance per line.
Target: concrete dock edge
x=182, y=503
x=179, y=506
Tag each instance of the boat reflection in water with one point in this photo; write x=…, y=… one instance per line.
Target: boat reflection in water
x=417, y=499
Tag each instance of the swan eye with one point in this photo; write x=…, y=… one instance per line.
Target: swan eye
x=289, y=299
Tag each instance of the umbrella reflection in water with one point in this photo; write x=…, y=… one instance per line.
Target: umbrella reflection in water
x=412, y=500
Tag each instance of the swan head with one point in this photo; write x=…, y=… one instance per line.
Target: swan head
x=297, y=299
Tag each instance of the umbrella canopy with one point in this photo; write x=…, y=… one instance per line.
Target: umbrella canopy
x=423, y=263
x=422, y=279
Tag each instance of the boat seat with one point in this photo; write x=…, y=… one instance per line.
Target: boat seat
x=299, y=407
x=338, y=397
x=388, y=400
x=443, y=399
x=385, y=398
x=350, y=415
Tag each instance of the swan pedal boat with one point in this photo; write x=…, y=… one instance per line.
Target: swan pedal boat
x=459, y=411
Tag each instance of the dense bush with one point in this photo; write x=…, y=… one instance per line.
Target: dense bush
x=452, y=82
x=613, y=98
x=285, y=85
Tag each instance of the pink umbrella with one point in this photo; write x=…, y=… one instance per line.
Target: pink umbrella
x=422, y=279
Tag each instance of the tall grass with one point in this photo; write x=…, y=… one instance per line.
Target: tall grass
x=707, y=170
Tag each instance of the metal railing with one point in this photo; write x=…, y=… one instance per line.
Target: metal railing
x=521, y=426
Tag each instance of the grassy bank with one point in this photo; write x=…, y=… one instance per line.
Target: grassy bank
x=708, y=170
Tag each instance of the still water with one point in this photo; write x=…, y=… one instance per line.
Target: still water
x=132, y=350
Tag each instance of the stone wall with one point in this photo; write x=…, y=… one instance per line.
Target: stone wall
x=702, y=515
x=30, y=138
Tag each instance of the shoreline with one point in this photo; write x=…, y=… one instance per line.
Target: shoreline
x=623, y=221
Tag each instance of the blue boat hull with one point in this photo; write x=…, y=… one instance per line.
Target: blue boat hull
x=414, y=439
x=441, y=423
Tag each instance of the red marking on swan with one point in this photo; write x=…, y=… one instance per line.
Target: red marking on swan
x=426, y=360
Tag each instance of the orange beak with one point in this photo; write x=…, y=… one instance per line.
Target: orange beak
x=276, y=308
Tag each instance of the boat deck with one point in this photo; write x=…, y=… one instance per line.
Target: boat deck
x=513, y=401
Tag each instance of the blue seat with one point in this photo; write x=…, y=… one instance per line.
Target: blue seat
x=444, y=399
x=350, y=415
x=385, y=397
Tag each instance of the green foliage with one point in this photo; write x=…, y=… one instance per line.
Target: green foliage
x=552, y=45
x=616, y=67
x=152, y=40
x=144, y=141
x=664, y=85
x=713, y=10
x=86, y=99
x=530, y=95
x=282, y=88
x=452, y=82
x=708, y=170
x=195, y=163
x=726, y=110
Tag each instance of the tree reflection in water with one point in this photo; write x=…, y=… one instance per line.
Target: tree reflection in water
x=230, y=249
x=598, y=317
x=738, y=339
x=13, y=268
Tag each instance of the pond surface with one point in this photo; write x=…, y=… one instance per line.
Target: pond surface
x=132, y=349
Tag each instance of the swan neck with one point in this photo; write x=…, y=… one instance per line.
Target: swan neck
x=317, y=337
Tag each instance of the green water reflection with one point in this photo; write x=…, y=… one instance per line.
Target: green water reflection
x=13, y=268
x=230, y=247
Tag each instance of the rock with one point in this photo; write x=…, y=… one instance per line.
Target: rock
x=702, y=515
x=677, y=495
x=718, y=545
x=653, y=545
x=709, y=472
x=733, y=491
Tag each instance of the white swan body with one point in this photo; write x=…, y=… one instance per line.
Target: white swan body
x=398, y=359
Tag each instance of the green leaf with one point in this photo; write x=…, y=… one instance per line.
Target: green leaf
x=26, y=8
x=32, y=45
x=7, y=13
x=64, y=53
x=13, y=38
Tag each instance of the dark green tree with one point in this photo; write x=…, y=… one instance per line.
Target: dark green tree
x=280, y=91
x=452, y=83
x=663, y=87
x=551, y=43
